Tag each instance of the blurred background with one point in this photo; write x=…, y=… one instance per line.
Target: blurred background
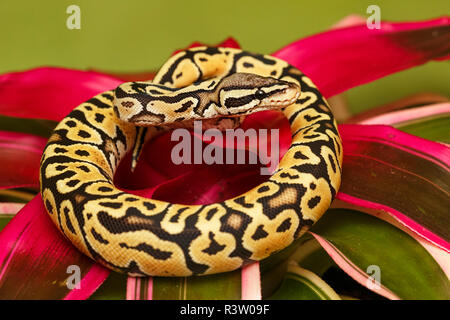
x=138, y=35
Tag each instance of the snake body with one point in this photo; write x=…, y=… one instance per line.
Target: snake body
x=141, y=236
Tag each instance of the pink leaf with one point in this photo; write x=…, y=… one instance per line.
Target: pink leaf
x=251, y=282
x=19, y=159
x=409, y=102
x=49, y=93
x=409, y=114
x=10, y=207
x=34, y=259
x=343, y=58
x=139, y=288
x=402, y=174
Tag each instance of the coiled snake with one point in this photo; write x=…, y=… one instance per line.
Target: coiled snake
x=141, y=236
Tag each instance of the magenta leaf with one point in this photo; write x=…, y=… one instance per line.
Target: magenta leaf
x=411, y=102
x=343, y=58
x=19, y=159
x=49, y=93
x=35, y=259
x=399, y=173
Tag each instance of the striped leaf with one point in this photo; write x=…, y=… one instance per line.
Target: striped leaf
x=366, y=247
x=37, y=262
x=302, y=284
x=407, y=176
x=19, y=159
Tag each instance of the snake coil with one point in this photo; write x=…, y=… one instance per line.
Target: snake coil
x=141, y=236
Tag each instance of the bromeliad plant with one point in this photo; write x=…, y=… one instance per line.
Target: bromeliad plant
x=385, y=236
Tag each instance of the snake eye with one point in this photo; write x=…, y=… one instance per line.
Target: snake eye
x=260, y=94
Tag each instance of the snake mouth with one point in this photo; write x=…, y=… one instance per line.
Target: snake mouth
x=280, y=98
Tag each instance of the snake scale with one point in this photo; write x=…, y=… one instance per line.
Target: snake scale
x=141, y=236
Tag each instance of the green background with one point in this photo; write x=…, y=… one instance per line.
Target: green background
x=137, y=35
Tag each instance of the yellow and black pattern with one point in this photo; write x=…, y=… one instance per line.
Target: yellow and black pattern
x=140, y=236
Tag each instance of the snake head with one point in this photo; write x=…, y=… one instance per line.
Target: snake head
x=246, y=93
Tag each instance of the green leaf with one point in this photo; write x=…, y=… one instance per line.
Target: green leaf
x=4, y=219
x=311, y=256
x=37, y=127
x=114, y=288
x=225, y=286
x=434, y=128
x=302, y=284
x=407, y=176
x=407, y=269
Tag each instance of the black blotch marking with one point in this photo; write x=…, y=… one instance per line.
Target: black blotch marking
x=131, y=199
x=82, y=153
x=248, y=65
x=61, y=167
x=311, y=118
x=60, y=150
x=153, y=91
x=214, y=246
x=71, y=123
x=113, y=205
x=287, y=175
x=105, y=189
x=68, y=221
x=285, y=225
x=211, y=84
x=73, y=183
x=99, y=117
x=89, y=216
x=333, y=165
x=155, y=253
x=241, y=201
x=211, y=213
x=260, y=233
x=149, y=205
x=98, y=237
x=49, y=206
x=312, y=136
x=175, y=218
x=84, y=168
x=88, y=108
x=313, y=202
x=179, y=75
x=203, y=59
x=238, y=102
x=299, y=155
x=263, y=189
x=274, y=72
x=312, y=186
x=184, y=106
x=84, y=134
x=307, y=130
x=108, y=96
